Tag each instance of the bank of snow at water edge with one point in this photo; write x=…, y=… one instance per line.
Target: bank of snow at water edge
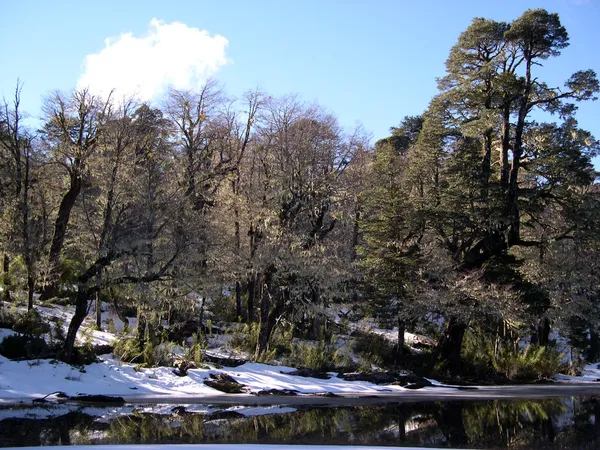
x=23, y=379
x=589, y=374
x=35, y=378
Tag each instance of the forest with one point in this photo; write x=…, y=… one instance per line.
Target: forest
x=476, y=223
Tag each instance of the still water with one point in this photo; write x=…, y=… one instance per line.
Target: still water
x=567, y=422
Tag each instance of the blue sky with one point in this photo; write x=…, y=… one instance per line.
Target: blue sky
x=368, y=62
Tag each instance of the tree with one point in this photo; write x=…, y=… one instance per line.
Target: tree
x=17, y=142
x=478, y=211
x=295, y=169
x=138, y=239
x=389, y=233
x=70, y=134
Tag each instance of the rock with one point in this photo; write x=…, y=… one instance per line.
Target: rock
x=224, y=383
x=180, y=331
x=97, y=399
x=282, y=392
x=179, y=410
x=328, y=394
x=387, y=378
x=103, y=349
x=218, y=415
x=309, y=373
x=225, y=362
x=416, y=385
x=182, y=369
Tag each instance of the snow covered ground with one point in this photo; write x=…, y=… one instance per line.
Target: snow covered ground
x=26, y=379
x=589, y=374
x=37, y=378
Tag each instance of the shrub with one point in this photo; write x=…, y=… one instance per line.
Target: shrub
x=23, y=346
x=8, y=316
x=57, y=332
x=222, y=308
x=317, y=357
x=158, y=355
x=321, y=357
x=195, y=351
x=31, y=324
x=374, y=348
x=16, y=278
x=530, y=363
x=128, y=350
x=478, y=355
x=245, y=339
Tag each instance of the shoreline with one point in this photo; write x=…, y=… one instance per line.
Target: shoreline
x=430, y=394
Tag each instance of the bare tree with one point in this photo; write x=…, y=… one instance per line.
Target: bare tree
x=70, y=133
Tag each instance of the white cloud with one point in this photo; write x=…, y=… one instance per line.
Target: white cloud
x=171, y=54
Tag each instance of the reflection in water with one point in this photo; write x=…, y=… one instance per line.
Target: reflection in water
x=554, y=423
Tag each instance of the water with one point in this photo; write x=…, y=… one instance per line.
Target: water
x=564, y=422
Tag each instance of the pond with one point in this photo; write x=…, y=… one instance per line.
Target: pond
x=562, y=422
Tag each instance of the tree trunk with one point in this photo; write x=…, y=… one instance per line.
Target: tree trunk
x=60, y=231
x=264, y=334
x=504, y=162
x=6, y=269
x=594, y=349
x=141, y=328
x=450, y=421
x=514, y=230
x=201, y=317
x=486, y=163
x=400, y=349
x=543, y=332
x=98, y=312
x=251, y=296
x=30, y=290
x=27, y=251
x=238, y=301
x=450, y=345
x=75, y=324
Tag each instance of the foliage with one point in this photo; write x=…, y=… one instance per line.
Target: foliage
x=223, y=308
x=375, y=349
x=529, y=363
x=57, y=332
x=31, y=323
x=23, y=346
x=128, y=350
x=268, y=210
x=478, y=355
x=16, y=277
x=194, y=351
x=323, y=356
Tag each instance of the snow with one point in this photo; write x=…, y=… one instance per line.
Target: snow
x=5, y=333
x=37, y=378
x=27, y=379
x=589, y=374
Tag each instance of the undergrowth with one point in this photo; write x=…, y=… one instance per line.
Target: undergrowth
x=481, y=360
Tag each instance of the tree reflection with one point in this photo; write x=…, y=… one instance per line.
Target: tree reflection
x=551, y=423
